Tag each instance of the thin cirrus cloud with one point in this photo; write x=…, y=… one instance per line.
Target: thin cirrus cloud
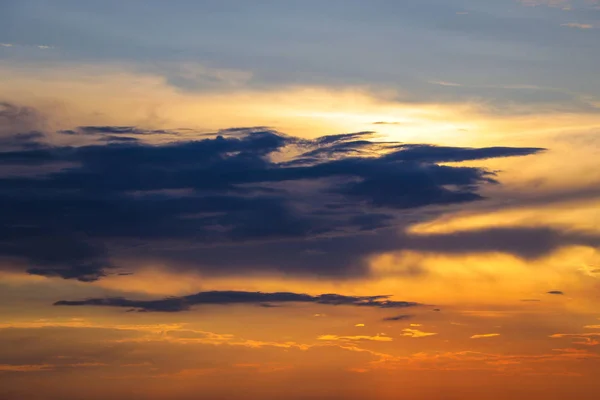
x=39, y=46
x=335, y=338
x=576, y=335
x=583, y=339
x=578, y=25
x=485, y=336
x=416, y=333
x=445, y=83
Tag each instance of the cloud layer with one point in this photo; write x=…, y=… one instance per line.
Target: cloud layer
x=80, y=207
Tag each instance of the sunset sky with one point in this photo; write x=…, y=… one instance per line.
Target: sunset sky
x=299, y=199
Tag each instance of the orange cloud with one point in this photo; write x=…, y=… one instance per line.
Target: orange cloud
x=415, y=333
x=377, y=338
x=485, y=335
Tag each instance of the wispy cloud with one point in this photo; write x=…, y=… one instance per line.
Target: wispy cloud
x=578, y=25
x=485, y=335
x=445, y=83
x=563, y=335
x=46, y=367
x=386, y=123
x=25, y=367
x=415, y=333
x=39, y=46
x=335, y=338
x=564, y=4
x=584, y=339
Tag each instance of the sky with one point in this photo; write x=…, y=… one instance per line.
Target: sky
x=328, y=200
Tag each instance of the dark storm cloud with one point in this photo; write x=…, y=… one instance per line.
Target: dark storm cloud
x=402, y=317
x=183, y=303
x=202, y=202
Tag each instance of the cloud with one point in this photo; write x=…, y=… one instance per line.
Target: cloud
x=359, y=325
x=114, y=130
x=549, y=3
x=183, y=303
x=578, y=26
x=415, y=333
x=45, y=367
x=485, y=336
x=39, y=46
x=527, y=243
x=584, y=339
x=17, y=120
x=402, y=317
x=187, y=202
x=335, y=338
x=25, y=368
x=562, y=335
x=445, y=83
x=556, y=292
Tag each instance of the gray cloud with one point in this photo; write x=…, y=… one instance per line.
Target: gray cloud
x=183, y=303
x=189, y=202
x=402, y=317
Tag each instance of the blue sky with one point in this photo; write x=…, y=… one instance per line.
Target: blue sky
x=504, y=51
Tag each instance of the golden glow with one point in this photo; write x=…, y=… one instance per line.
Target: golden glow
x=486, y=317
